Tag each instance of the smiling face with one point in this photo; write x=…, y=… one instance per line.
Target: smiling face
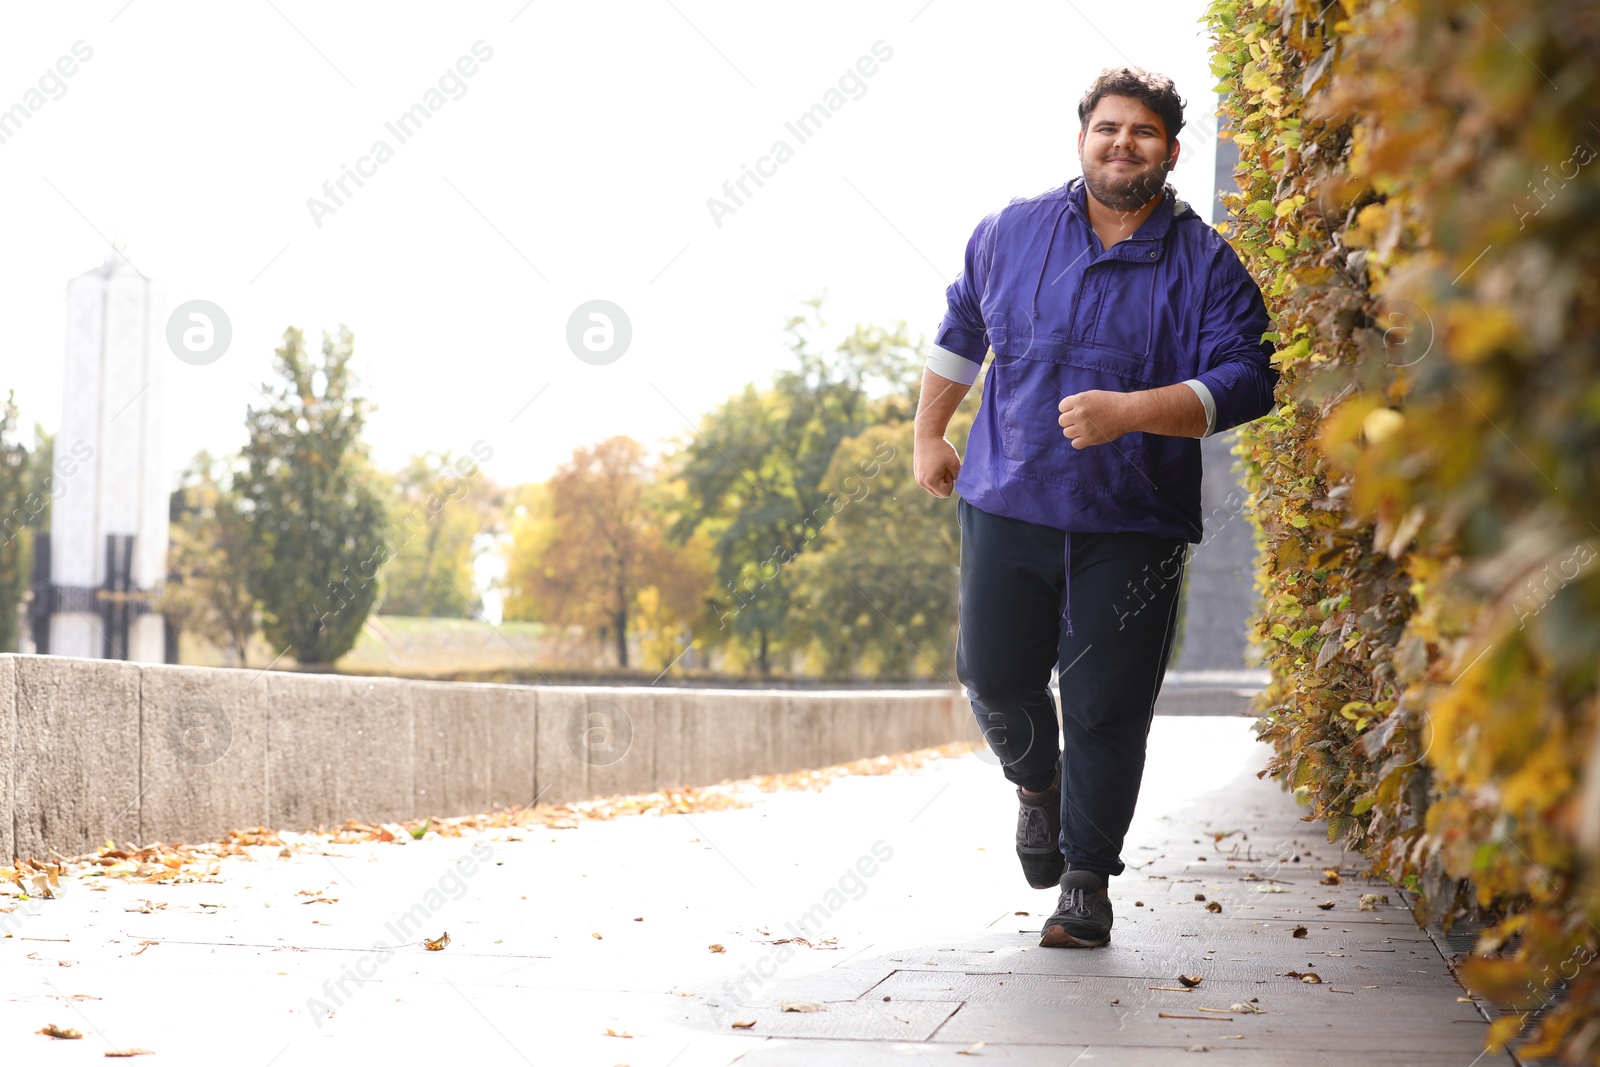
x=1124, y=153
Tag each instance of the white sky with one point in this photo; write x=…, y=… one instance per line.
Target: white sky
x=590, y=143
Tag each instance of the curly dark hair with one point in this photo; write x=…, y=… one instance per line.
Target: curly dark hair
x=1155, y=91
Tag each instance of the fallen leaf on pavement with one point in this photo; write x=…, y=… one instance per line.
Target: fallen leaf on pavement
x=617, y=1033
x=52, y=1030
x=130, y=1052
x=740, y=1025
x=1214, y=906
x=1191, y=982
x=800, y=1005
x=970, y=1050
x=1325, y=905
x=1299, y=931
x=1370, y=901
x=716, y=948
x=321, y=900
x=436, y=944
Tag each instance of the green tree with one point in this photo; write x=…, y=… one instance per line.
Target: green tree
x=19, y=506
x=877, y=592
x=209, y=559
x=441, y=505
x=318, y=522
x=756, y=471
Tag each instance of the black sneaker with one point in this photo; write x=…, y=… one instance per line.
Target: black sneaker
x=1039, y=835
x=1083, y=916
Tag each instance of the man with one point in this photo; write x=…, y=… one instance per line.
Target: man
x=1123, y=328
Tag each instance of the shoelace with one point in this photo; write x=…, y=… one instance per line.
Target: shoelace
x=1035, y=826
x=1075, y=902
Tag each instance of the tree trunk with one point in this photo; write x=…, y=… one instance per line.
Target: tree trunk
x=622, y=638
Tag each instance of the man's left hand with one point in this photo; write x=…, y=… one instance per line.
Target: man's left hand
x=1093, y=417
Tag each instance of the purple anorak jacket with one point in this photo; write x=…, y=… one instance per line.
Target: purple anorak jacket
x=1171, y=303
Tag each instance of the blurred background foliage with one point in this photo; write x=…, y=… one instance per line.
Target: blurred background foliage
x=1418, y=197
x=781, y=536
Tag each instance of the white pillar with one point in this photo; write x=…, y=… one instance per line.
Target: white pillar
x=108, y=474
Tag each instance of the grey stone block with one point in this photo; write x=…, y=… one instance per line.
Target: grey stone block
x=572, y=720
x=377, y=765
x=618, y=741
x=339, y=748
x=718, y=730
x=667, y=741
x=8, y=751
x=513, y=726
x=76, y=753
x=799, y=720
x=452, y=731
x=842, y=729
x=203, y=752
x=883, y=714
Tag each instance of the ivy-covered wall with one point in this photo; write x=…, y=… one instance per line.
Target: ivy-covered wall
x=1419, y=199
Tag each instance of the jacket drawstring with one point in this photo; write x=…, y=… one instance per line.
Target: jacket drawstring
x=1046, y=260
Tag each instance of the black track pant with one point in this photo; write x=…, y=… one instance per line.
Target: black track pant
x=1124, y=608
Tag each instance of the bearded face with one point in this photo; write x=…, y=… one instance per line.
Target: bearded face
x=1124, y=153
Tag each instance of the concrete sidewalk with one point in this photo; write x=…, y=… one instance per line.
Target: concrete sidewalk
x=892, y=903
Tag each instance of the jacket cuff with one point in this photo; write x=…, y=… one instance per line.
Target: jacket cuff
x=1207, y=402
x=952, y=365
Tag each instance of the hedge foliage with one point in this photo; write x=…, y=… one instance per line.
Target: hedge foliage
x=1419, y=201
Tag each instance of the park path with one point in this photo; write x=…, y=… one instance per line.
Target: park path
x=892, y=903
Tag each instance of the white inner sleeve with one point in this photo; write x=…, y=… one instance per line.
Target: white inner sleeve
x=951, y=365
x=1207, y=402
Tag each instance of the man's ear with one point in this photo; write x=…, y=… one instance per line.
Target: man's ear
x=1080, y=142
x=1172, y=160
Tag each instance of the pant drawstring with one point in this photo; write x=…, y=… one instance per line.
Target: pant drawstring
x=1066, y=589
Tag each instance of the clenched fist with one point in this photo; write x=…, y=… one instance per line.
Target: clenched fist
x=934, y=464
x=1093, y=417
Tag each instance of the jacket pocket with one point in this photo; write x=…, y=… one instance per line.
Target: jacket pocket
x=1028, y=391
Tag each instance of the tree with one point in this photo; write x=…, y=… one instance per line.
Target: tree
x=209, y=559
x=755, y=471
x=440, y=507
x=879, y=586
x=593, y=547
x=317, y=520
x=19, y=505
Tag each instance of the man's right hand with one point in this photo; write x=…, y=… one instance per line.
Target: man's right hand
x=934, y=464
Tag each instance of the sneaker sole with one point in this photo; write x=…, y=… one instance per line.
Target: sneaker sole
x=1049, y=877
x=1057, y=937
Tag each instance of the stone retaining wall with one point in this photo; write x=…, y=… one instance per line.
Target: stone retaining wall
x=97, y=749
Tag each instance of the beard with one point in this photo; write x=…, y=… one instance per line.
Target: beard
x=1127, y=192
